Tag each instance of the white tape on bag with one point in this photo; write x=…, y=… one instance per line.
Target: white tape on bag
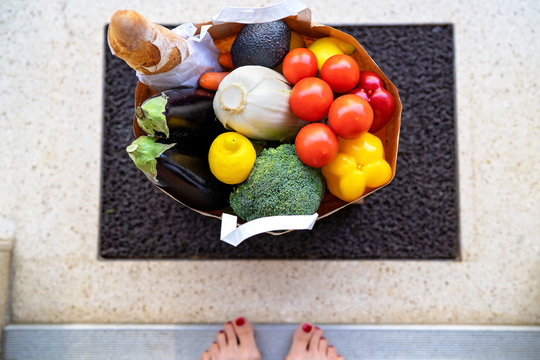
x=235, y=235
x=259, y=15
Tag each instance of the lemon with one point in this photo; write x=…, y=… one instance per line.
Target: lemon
x=327, y=47
x=231, y=157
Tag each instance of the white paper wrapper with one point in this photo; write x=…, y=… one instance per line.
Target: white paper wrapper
x=259, y=15
x=202, y=58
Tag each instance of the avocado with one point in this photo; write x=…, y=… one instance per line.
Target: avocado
x=264, y=44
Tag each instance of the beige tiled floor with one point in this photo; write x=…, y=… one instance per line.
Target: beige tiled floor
x=51, y=93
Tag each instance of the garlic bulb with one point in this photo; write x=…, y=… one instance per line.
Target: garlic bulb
x=254, y=101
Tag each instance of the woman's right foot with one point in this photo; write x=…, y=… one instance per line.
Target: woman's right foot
x=309, y=344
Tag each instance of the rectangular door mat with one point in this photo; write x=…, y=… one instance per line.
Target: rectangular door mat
x=415, y=217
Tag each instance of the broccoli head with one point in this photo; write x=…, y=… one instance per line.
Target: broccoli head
x=279, y=184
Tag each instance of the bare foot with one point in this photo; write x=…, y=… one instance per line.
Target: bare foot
x=235, y=342
x=309, y=344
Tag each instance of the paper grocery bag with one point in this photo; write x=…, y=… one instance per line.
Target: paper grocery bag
x=223, y=28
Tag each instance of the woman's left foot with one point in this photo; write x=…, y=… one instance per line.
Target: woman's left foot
x=235, y=342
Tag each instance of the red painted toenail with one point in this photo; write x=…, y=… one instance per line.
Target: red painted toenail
x=221, y=331
x=323, y=338
x=307, y=327
x=240, y=321
x=330, y=346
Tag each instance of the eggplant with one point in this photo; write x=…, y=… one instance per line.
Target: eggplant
x=189, y=180
x=184, y=116
x=181, y=126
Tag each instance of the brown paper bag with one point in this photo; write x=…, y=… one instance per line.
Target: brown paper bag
x=224, y=35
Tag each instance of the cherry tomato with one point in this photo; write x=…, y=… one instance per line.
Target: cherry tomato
x=299, y=63
x=341, y=72
x=350, y=116
x=316, y=145
x=310, y=99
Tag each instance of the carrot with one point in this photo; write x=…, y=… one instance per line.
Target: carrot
x=211, y=80
x=225, y=60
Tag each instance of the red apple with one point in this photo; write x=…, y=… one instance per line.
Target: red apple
x=371, y=88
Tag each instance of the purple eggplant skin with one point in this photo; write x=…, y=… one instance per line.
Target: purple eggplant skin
x=189, y=180
x=183, y=171
x=192, y=123
x=190, y=119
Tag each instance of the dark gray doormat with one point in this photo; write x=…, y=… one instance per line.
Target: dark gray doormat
x=415, y=217
x=185, y=342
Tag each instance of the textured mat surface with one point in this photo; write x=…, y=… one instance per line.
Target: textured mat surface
x=415, y=217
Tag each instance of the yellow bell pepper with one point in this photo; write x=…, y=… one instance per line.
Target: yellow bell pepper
x=359, y=164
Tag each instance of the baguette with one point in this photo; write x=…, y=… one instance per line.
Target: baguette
x=147, y=47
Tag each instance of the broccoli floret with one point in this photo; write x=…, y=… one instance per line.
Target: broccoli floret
x=279, y=184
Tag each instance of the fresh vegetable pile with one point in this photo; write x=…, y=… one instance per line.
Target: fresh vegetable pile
x=288, y=119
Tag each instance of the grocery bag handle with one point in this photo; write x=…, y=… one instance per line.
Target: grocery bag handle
x=273, y=12
x=235, y=235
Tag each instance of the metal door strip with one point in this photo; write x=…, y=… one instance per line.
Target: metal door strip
x=118, y=342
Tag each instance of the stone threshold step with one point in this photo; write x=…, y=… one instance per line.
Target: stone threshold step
x=187, y=342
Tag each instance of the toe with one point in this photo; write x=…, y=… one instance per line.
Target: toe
x=206, y=355
x=244, y=331
x=331, y=353
x=323, y=345
x=221, y=339
x=313, y=345
x=230, y=334
x=214, y=351
x=301, y=337
x=246, y=339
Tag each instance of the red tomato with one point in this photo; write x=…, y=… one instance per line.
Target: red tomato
x=350, y=116
x=299, y=63
x=316, y=145
x=341, y=72
x=310, y=99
